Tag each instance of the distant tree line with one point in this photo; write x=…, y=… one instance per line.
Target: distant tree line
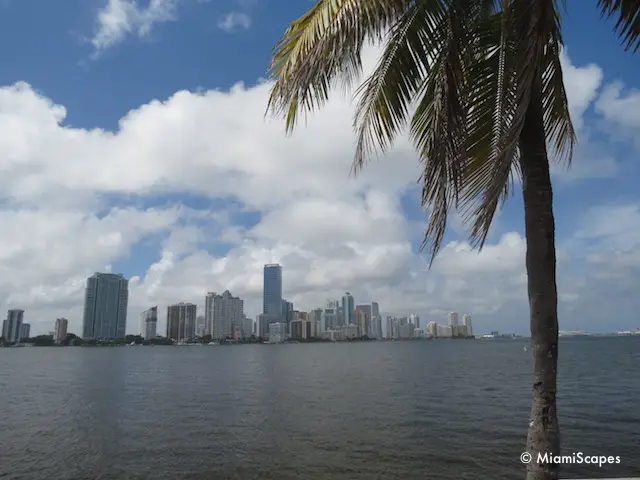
x=72, y=340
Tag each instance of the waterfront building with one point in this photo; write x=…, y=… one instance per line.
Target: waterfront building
x=466, y=321
x=262, y=326
x=201, y=326
x=181, y=321
x=367, y=323
x=60, y=330
x=247, y=327
x=276, y=332
x=348, y=310
x=227, y=313
x=376, y=326
x=272, y=294
x=331, y=315
x=432, y=329
x=105, y=306
x=444, y=331
x=12, y=326
x=25, y=331
x=149, y=323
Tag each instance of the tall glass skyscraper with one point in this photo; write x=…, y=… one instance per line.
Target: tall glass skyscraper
x=272, y=296
x=105, y=306
x=12, y=326
x=348, y=309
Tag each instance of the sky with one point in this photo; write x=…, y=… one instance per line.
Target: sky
x=133, y=140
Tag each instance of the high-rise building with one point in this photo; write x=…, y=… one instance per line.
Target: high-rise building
x=149, y=323
x=272, y=293
x=432, y=329
x=60, y=330
x=453, y=319
x=181, y=321
x=348, y=309
x=201, y=326
x=248, y=327
x=228, y=312
x=287, y=313
x=331, y=317
x=25, y=331
x=361, y=322
x=208, y=312
x=105, y=306
x=276, y=332
x=315, y=317
x=392, y=327
x=415, y=320
x=12, y=326
x=466, y=321
x=367, y=311
x=376, y=326
x=262, y=326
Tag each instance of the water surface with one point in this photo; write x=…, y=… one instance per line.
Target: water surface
x=380, y=410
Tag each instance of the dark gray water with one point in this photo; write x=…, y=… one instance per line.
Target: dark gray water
x=435, y=410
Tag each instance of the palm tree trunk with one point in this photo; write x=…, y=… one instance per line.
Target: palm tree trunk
x=544, y=433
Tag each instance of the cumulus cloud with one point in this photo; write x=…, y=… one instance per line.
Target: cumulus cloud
x=234, y=21
x=119, y=18
x=74, y=201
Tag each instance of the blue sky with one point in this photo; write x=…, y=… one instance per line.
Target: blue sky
x=192, y=193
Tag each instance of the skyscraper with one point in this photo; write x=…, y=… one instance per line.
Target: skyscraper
x=25, y=331
x=366, y=310
x=466, y=321
x=149, y=323
x=201, y=326
x=453, y=319
x=348, y=309
x=105, y=306
x=60, y=330
x=227, y=313
x=12, y=326
x=376, y=326
x=208, y=312
x=181, y=321
x=272, y=294
x=415, y=320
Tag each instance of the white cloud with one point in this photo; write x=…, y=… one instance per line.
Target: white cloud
x=120, y=18
x=234, y=21
x=621, y=108
x=331, y=232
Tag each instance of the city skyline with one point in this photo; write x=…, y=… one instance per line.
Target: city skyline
x=175, y=179
x=223, y=312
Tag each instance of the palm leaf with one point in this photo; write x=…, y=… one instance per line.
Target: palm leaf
x=628, y=23
x=438, y=127
x=324, y=43
x=528, y=52
x=385, y=97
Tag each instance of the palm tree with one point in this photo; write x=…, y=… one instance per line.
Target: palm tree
x=479, y=84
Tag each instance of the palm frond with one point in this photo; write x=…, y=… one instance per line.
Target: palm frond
x=385, y=97
x=438, y=128
x=324, y=43
x=628, y=24
x=528, y=52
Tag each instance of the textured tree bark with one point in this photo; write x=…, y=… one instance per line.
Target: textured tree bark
x=544, y=432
